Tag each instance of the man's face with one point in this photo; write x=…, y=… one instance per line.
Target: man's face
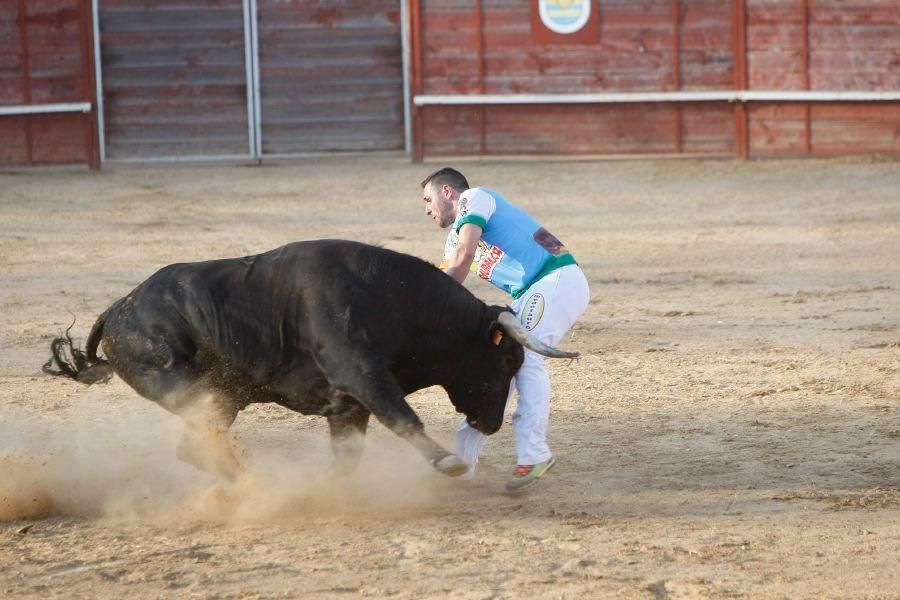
x=439, y=204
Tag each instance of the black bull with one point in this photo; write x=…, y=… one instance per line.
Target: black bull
x=332, y=328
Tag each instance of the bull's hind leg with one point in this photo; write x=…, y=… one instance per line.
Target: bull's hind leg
x=160, y=367
x=205, y=442
x=206, y=415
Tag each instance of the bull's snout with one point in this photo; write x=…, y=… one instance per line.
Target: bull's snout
x=484, y=426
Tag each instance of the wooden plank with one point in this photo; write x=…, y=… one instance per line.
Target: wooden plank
x=776, y=111
x=572, y=129
x=867, y=12
x=13, y=141
x=842, y=128
x=710, y=36
x=778, y=129
x=886, y=112
x=708, y=129
x=853, y=80
x=114, y=6
x=773, y=12
x=775, y=70
x=115, y=41
x=872, y=61
x=46, y=90
x=123, y=75
x=776, y=37
x=145, y=17
x=770, y=138
x=854, y=37
x=174, y=147
x=12, y=90
x=706, y=50
x=59, y=139
x=62, y=62
x=855, y=136
x=169, y=57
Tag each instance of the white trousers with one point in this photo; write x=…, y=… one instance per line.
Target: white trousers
x=547, y=310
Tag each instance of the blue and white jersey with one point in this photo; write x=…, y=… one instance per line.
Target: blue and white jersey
x=514, y=250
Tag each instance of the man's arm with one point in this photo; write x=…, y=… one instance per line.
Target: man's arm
x=458, y=269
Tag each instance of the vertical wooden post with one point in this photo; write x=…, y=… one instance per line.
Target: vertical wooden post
x=479, y=47
x=807, y=124
x=89, y=85
x=26, y=80
x=740, y=77
x=676, y=68
x=415, y=40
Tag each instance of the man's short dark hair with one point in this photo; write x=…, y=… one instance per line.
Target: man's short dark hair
x=447, y=176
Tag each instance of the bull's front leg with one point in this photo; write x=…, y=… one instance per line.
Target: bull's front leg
x=375, y=388
x=409, y=427
x=348, y=423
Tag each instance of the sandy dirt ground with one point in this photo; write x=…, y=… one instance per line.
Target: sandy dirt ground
x=731, y=430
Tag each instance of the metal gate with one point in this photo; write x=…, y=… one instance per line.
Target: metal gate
x=331, y=75
x=209, y=79
x=174, y=82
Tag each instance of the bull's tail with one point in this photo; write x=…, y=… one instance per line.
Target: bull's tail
x=85, y=367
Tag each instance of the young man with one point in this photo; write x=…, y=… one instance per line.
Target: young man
x=507, y=247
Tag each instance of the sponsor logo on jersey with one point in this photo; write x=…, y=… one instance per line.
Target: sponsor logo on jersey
x=549, y=242
x=564, y=16
x=481, y=250
x=532, y=311
x=489, y=261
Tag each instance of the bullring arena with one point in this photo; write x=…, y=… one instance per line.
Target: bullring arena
x=730, y=431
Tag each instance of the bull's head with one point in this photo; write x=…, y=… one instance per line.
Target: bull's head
x=481, y=392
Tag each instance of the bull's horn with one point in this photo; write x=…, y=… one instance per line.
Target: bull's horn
x=511, y=325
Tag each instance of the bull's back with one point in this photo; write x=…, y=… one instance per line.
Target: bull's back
x=245, y=323
x=256, y=321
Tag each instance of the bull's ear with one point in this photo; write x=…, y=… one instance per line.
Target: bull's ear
x=495, y=334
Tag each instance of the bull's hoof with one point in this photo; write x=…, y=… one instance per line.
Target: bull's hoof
x=452, y=466
x=216, y=459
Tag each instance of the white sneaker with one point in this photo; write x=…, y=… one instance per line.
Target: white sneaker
x=467, y=444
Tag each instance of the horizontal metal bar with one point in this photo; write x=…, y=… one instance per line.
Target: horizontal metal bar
x=636, y=97
x=181, y=159
x=400, y=154
x=426, y=99
x=333, y=154
x=813, y=96
x=37, y=109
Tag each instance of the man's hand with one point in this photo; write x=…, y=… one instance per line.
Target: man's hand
x=458, y=269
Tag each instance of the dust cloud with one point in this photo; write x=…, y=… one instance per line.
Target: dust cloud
x=124, y=466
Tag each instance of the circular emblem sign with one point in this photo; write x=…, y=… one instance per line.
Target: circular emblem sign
x=532, y=311
x=564, y=16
